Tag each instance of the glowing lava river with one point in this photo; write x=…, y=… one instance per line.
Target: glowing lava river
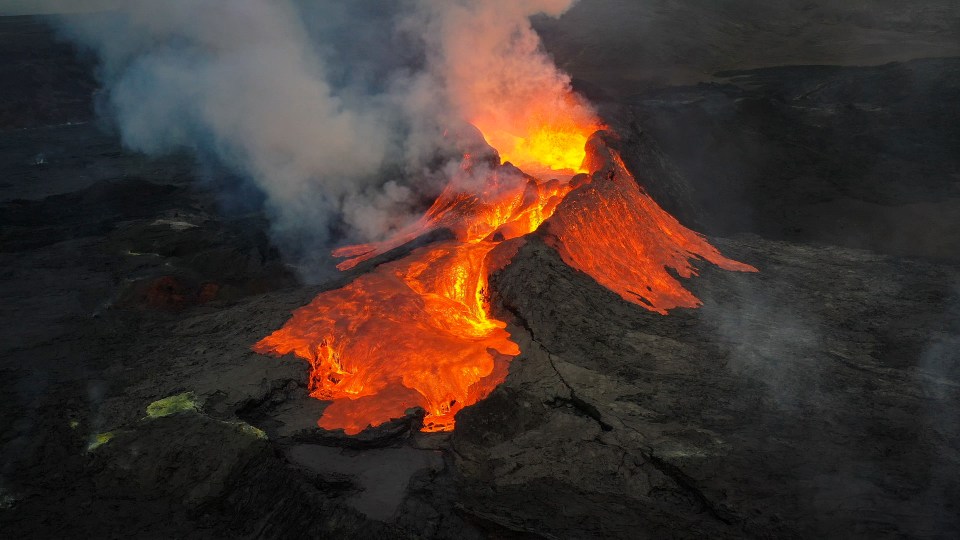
x=418, y=331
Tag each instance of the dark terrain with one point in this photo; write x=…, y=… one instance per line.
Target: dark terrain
x=818, y=397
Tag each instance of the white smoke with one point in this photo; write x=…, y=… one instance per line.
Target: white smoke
x=489, y=59
x=335, y=124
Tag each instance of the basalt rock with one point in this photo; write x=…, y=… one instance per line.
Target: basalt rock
x=816, y=398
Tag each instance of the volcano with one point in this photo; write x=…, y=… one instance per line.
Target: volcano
x=420, y=331
x=558, y=353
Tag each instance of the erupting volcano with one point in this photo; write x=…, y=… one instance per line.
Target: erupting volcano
x=419, y=331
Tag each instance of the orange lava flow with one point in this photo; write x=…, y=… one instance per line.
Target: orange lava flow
x=413, y=332
x=616, y=233
x=506, y=204
x=418, y=331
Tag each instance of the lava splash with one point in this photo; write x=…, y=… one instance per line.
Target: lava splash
x=418, y=331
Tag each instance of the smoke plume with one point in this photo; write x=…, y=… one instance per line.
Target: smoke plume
x=344, y=117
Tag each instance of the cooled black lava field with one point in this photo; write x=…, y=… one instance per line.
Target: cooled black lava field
x=817, y=397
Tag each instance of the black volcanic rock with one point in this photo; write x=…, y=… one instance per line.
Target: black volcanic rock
x=389, y=433
x=43, y=82
x=775, y=410
x=862, y=157
x=815, y=398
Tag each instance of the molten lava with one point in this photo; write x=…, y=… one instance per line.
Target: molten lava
x=616, y=233
x=504, y=204
x=419, y=331
x=413, y=332
x=548, y=140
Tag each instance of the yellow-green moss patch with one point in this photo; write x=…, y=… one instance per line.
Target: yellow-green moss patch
x=251, y=430
x=185, y=402
x=99, y=440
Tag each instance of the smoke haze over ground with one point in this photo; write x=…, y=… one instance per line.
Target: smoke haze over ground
x=346, y=116
x=337, y=118
x=817, y=396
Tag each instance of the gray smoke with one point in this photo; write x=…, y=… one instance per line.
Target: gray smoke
x=340, y=114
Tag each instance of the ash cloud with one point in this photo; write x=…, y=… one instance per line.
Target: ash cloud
x=341, y=115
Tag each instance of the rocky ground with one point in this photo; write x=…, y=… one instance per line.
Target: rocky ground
x=618, y=46
x=815, y=398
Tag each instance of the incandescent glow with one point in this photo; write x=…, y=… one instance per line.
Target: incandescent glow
x=550, y=148
x=506, y=204
x=413, y=332
x=548, y=139
x=615, y=232
x=418, y=331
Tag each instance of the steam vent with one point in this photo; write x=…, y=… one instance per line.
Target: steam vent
x=480, y=269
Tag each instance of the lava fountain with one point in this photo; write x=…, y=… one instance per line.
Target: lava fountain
x=418, y=331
